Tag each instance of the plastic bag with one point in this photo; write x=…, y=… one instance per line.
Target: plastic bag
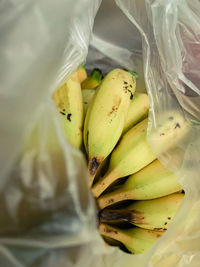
x=47, y=215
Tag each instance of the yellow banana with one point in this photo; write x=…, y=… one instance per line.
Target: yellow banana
x=171, y=128
x=131, y=155
x=136, y=240
x=151, y=182
x=106, y=115
x=68, y=99
x=93, y=80
x=87, y=97
x=153, y=214
x=138, y=110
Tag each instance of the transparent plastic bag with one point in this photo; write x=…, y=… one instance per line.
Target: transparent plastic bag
x=47, y=215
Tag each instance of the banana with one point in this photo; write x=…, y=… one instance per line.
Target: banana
x=138, y=110
x=151, y=182
x=68, y=99
x=136, y=240
x=87, y=97
x=93, y=80
x=131, y=155
x=171, y=128
x=85, y=132
x=106, y=115
x=153, y=214
x=82, y=74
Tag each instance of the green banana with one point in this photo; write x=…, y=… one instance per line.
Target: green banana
x=153, y=214
x=151, y=182
x=87, y=97
x=131, y=155
x=138, y=110
x=68, y=99
x=82, y=74
x=136, y=240
x=93, y=80
x=106, y=115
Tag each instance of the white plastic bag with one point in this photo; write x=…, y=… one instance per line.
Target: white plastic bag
x=47, y=215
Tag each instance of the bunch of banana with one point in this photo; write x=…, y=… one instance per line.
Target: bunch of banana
x=112, y=118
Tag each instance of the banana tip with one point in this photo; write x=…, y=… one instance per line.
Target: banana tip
x=93, y=165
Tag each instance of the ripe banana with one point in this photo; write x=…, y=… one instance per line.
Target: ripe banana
x=170, y=129
x=106, y=115
x=138, y=110
x=153, y=214
x=136, y=240
x=131, y=155
x=151, y=182
x=93, y=80
x=82, y=74
x=87, y=97
x=68, y=99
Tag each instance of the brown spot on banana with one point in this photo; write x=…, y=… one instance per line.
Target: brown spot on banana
x=93, y=165
x=177, y=125
x=106, y=229
x=159, y=229
x=130, y=216
x=69, y=116
x=114, y=109
x=117, y=102
x=110, y=231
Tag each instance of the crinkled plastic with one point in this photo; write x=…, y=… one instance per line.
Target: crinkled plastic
x=47, y=214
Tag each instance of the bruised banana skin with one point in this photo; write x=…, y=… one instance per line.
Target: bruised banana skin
x=131, y=155
x=68, y=99
x=82, y=74
x=106, y=116
x=153, y=181
x=153, y=214
x=136, y=240
x=93, y=80
x=138, y=110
